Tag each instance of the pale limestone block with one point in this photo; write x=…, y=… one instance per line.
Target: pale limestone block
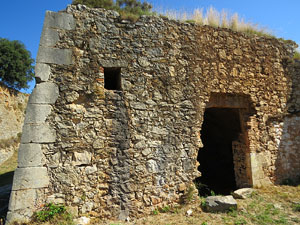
x=36, y=113
x=42, y=72
x=30, y=155
x=38, y=133
x=44, y=93
x=22, y=199
x=59, y=20
x=54, y=55
x=31, y=177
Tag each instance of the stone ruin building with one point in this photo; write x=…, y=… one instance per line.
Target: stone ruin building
x=125, y=116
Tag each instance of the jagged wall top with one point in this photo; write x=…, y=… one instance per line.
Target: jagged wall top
x=126, y=151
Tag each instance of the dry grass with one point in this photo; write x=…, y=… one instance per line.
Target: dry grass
x=214, y=18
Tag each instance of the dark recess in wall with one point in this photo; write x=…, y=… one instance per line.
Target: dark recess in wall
x=112, y=78
x=221, y=126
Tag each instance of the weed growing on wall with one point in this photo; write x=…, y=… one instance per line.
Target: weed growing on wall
x=53, y=212
x=297, y=55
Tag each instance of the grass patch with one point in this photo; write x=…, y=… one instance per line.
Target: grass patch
x=214, y=18
x=7, y=169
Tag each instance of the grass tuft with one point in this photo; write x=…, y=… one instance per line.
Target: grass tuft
x=214, y=18
x=297, y=55
x=57, y=214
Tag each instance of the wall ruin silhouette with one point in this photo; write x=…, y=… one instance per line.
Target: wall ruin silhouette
x=113, y=125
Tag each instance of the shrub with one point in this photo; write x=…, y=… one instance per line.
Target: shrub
x=297, y=55
x=52, y=211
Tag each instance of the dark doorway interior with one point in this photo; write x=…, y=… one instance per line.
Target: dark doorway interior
x=221, y=126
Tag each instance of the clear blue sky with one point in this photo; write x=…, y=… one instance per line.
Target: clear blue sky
x=23, y=20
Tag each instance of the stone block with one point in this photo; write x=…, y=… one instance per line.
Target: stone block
x=18, y=217
x=30, y=155
x=44, y=93
x=113, y=63
x=42, y=72
x=98, y=144
x=59, y=20
x=30, y=178
x=49, y=37
x=37, y=113
x=152, y=166
x=220, y=203
x=82, y=158
x=38, y=133
x=22, y=199
x=54, y=55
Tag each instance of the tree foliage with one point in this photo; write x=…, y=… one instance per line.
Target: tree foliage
x=16, y=67
x=135, y=7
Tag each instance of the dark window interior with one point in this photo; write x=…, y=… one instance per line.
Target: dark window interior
x=112, y=78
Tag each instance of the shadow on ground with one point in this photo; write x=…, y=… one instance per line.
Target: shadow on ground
x=5, y=189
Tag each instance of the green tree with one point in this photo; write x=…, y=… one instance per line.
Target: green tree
x=134, y=6
x=16, y=67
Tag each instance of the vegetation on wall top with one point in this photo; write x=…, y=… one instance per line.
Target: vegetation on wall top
x=129, y=9
x=133, y=9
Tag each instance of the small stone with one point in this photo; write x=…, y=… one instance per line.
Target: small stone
x=146, y=152
x=172, y=71
x=98, y=144
x=189, y=212
x=91, y=169
x=152, y=166
x=243, y=193
x=83, y=158
x=222, y=54
x=155, y=200
x=181, y=187
x=83, y=220
x=238, y=51
x=143, y=62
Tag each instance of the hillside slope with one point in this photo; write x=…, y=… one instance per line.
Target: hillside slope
x=12, y=111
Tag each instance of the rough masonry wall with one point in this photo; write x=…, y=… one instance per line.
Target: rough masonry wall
x=288, y=138
x=120, y=153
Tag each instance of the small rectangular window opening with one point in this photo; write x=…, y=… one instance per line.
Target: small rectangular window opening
x=112, y=78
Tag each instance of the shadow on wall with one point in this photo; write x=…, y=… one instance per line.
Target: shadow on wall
x=287, y=140
x=120, y=157
x=288, y=157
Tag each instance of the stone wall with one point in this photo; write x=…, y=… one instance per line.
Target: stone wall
x=113, y=125
x=288, y=133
